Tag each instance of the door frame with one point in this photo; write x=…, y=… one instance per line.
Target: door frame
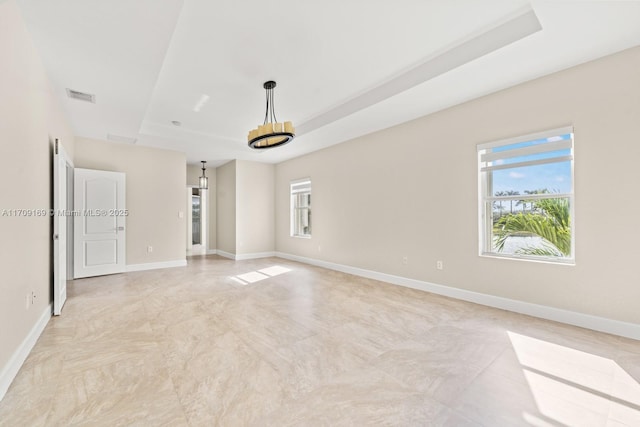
x=62, y=225
x=202, y=248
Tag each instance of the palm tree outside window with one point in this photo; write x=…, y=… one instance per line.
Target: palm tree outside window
x=526, y=196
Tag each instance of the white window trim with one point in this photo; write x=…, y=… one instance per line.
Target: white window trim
x=484, y=228
x=528, y=137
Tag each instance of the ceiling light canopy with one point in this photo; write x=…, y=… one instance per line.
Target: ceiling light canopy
x=271, y=133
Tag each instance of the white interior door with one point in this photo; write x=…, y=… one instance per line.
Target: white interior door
x=62, y=172
x=99, y=226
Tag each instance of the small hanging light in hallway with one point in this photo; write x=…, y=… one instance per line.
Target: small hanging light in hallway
x=204, y=181
x=271, y=133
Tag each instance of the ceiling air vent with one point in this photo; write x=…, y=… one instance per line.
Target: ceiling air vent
x=118, y=138
x=81, y=96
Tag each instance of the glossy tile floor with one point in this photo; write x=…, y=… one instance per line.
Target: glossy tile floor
x=274, y=343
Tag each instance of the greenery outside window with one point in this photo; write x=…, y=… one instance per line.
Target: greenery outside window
x=526, y=197
x=301, y=208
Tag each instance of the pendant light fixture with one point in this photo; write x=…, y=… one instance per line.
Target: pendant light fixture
x=271, y=133
x=204, y=181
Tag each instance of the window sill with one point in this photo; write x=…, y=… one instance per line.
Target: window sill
x=542, y=260
x=301, y=236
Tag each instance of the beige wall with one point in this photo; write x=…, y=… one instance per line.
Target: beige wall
x=255, y=207
x=411, y=191
x=226, y=207
x=193, y=175
x=30, y=119
x=155, y=196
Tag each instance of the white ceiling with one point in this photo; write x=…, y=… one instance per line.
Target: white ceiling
x=344, y=68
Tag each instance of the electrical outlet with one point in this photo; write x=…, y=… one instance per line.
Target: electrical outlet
x=405, y=260
x=439, y=265
x=149, y=249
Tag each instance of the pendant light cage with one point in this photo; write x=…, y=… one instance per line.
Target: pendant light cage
x=204, y=181
x=271, y=133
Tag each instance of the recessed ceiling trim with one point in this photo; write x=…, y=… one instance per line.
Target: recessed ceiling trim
x=124, y=139
x=81, y=96
x=174, y=131
x=508, y=30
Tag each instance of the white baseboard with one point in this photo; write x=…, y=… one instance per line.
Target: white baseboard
x=156, y=265
x=225, y=254
x=190, y=253
x=243, y=257
x=256, y=255
x=602, y=324
x=207, y=252
x=10, y=371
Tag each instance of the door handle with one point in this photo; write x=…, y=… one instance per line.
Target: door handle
x=120, y=228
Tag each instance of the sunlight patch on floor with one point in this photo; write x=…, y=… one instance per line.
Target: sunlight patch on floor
x=275, y=270
x=256, y=276
x=572, y=386
x=536, y=421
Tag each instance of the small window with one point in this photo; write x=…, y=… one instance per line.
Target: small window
x=526, y=197
x=301, y=208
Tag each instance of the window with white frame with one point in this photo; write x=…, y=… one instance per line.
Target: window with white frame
x=301, y=208
x=526, y=197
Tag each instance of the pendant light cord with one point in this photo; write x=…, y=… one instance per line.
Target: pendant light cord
x=270, y=111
